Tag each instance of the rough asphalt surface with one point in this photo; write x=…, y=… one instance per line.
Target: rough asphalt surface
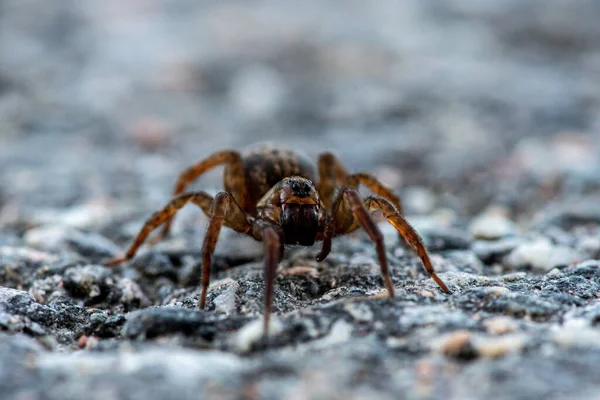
x=485, y=118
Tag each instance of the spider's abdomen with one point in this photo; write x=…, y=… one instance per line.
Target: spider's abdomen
x=265, y=166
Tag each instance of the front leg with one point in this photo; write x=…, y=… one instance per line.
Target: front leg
x=352, y=199
x=271, y=236
x=224, y=210
x=407, y=232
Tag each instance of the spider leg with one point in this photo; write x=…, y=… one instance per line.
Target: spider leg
x=201, y=199
x=270, y=234
x=346, y=222
x=352, y=181
x=407, y=231
x=331, y=174
x=234, y=177
x=224, y=210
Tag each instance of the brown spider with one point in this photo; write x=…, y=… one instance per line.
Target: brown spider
x=269, y=195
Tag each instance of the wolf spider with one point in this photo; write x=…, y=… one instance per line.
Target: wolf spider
x=270, y=195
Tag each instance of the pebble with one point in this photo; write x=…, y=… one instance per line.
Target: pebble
x=457, y=344
x=467, y=345
x=589, y=247
x=341, y=332
x=251, y=333
x=360, y=312
x=418, y=199
x=576, y=333
x=9, y=295
x=541, y=255
x=514, y=277
x=492, y=224
x=60, y=238
x=495, y=347
x=490, y=251
x=27, y=255
x=225, y=302
x=132, y=294
x=442, y=239
x=93, y=214
x=500, y=325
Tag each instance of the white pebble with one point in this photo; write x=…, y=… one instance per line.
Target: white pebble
x=252, y=332
x=226, y=301
x=541, y=255
x=493, y=224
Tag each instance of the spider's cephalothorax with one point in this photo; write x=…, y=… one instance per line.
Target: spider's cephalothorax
x=270, y=195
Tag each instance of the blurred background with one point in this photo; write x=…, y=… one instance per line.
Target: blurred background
x=459, y=104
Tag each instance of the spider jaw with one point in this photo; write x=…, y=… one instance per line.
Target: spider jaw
x=299, y=223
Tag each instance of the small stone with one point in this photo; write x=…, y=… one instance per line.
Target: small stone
x=457, y=280
x=457, y=344
x=541, y=255
x=91, y=282
x=359, y=311
x=490, y=251
x=493, y=224
x=91, y=245
x=9, y=295
x=514, y=277
x=418, y=199
x=253, y=332
x=132, y=294
x=225, y=302
x=426, y=293
x=91, y=342
x=84, y=216
x=589, y=247
x=341, y=332
x=82, y=341
x=576, y=333
x=500, y=325
x=60, y=238
x=49, y=238
x=27, y=255
x=301, y=270
x=495, y=290
x=442, y=239
x=495, y=347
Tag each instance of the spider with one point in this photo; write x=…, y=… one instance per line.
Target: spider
x=270, y=195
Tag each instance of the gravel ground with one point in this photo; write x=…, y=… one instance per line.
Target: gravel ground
x=485, y=118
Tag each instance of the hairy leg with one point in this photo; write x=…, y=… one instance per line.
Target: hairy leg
x=375, y=185
x=331, y=175
x=407, y=231
x=224, y=210
x=235, y=180
x=270, y=234
x=349, y=213
x=201, y=199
